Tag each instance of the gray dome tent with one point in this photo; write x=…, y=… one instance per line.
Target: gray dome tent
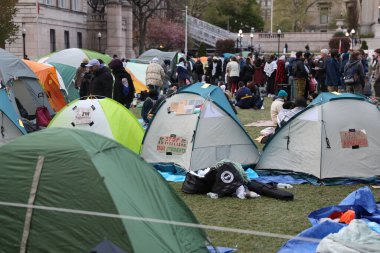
x=197, y=128
x=337, y=136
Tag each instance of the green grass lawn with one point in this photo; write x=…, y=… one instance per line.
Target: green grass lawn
x=261, y=214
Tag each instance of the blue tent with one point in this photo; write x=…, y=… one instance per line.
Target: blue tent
x=11, y=126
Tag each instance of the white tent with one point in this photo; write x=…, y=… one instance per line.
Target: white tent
x=197, y=128
x=337, y=136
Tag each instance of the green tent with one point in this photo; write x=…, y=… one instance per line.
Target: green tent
x=72, y=171
x=102, y=116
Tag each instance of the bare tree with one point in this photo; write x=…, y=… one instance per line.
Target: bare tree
x=143, y=10
x=97, y=6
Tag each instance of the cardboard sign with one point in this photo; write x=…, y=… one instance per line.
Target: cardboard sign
x=83, y=115
x=172, y=144
x=354, y=139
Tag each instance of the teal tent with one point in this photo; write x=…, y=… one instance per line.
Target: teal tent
x=72, y=178
x=10, y=123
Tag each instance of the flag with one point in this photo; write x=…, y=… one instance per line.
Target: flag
x=38, y=7
x=340, y=46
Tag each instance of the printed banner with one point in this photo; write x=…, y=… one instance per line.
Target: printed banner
x=355, y=138
x=83, y=115
x=172, y=144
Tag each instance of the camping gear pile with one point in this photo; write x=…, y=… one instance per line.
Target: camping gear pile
x=227, y=178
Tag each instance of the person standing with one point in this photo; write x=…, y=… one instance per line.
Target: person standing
x=247, y=71
x=155, y=75
x=233, y=70
x=80, y=73
x=300, y=75
x=333, y=79
x=102, y=80
x=182, y=74
x=198, y=71
x=123, y=90
x=354, y=76
x=376, y=73
x=270, y=71
x=320, y=70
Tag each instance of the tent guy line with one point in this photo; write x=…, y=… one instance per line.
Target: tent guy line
x=184, y=224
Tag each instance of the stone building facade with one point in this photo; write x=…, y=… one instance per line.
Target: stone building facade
x=53, y=25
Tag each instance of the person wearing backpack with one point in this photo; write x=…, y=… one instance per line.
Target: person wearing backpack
x=354, y=76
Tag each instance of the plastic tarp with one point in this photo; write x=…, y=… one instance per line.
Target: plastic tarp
x=361, y=201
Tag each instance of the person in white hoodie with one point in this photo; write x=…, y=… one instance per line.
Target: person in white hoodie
x=233, y=71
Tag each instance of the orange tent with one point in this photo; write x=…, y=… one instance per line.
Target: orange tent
x=48, y=78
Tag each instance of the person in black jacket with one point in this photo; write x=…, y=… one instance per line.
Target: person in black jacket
x=123, y=89
x=102, y=81
x=300, y=74
x=198, y=70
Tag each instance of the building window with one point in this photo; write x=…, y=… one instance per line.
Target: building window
x=324, y=16
x=47, y=2
x=52, y=40
x=79, y=39
x=67, y=39
x=61, y=3
x=74, y=5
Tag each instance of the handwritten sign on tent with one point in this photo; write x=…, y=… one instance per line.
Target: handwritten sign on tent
x=83, y=115
x=172, y=144
x=354, y=139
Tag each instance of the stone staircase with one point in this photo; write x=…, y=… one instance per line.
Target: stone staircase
x=209, y=34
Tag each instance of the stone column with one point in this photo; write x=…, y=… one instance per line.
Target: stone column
x=115, y=43
x=368, y=15
x=128, y=30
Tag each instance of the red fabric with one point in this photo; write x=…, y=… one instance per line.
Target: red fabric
x=335, y=215
x=259, y=76
x=42, y=116
x=280, y=73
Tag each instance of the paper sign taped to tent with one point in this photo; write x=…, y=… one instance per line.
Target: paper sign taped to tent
x=172, y=144
x=83, y=115
x=354, y=138
x=184, y=107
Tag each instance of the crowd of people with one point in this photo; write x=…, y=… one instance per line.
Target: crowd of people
x=244, y=80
